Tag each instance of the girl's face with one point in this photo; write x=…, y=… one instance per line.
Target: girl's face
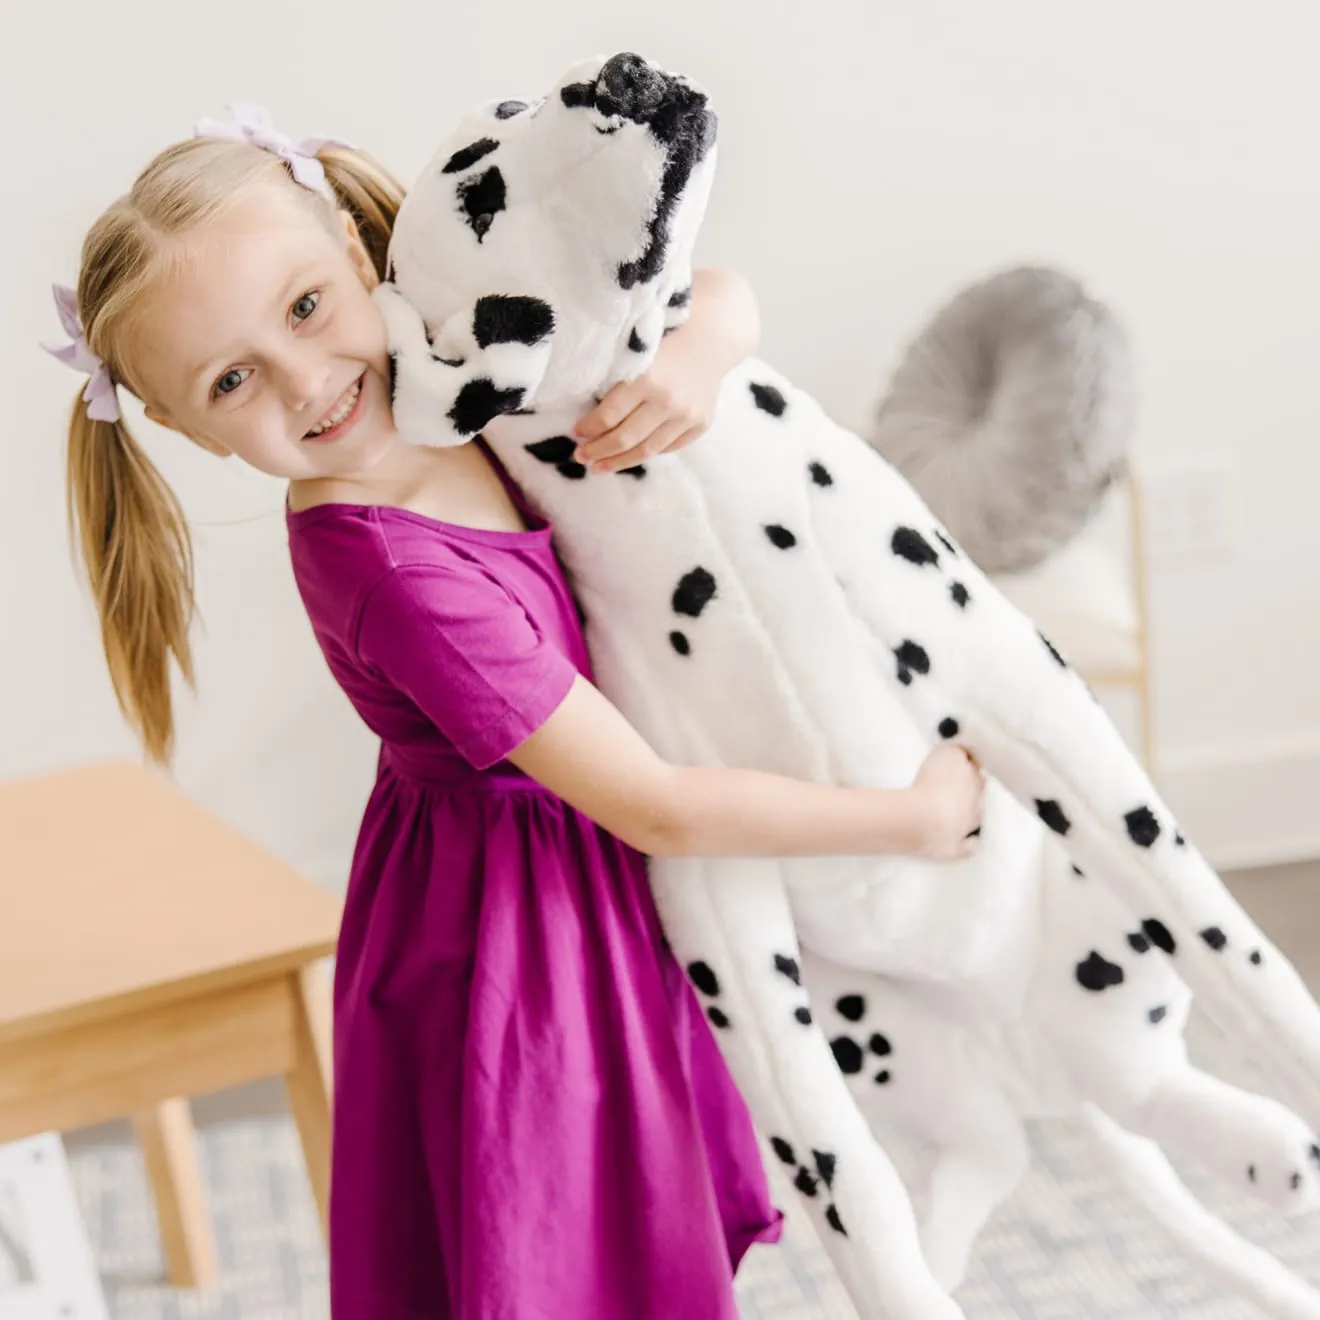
x=264, y=342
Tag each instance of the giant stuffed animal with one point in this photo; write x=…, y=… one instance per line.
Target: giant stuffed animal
x=776, y=596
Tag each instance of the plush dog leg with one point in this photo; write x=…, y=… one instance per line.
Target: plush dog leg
x=731, y=926
x=1251, y=1141
x=1238, y=1264
x=915, y=1069
x=974, y=667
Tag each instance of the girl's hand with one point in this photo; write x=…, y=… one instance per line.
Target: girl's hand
x=950, y=792
x=668, y=406
x=673, y=402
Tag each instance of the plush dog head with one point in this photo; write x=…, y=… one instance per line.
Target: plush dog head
x=546, y=247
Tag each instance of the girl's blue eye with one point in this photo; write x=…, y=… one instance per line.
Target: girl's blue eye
x=229, y=382
x=306, y=305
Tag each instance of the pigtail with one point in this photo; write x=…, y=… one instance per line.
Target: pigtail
x=137, y=552
x=369, y=193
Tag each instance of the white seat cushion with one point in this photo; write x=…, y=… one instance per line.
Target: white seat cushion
x=1083, y=598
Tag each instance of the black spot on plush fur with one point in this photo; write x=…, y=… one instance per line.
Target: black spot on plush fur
x=1078, y=872
x=1053, y=815
x=637, y=472
x=1178, y=839
x=960, y=595
x=911, y=657
x=908, y=543
x=780, y=537
x=480, y=400
x=576, y=96
x=768, y=399
x=820, y=474
x=803, y=1015
x=783, y=1150
x=695, y=590
x=502, y=318
x=879, y=1044
x=1096, y=973
x=852, y=1007
x=1142, y=826
x=788, y=967
x=681, y=297
x=805, y=1181
x=847, y=1054
x=825, y=1166
x=482, y=198
x=1050, y=647
x=680, y=643
x=946, y=543
x=507, y=109
x=702, y=975
x=1157, y=1015
x=558, y=451
x=1138, y=943
x=1256, y=958
x=882, y=1077
x=948, y=727
x=465, y=157
x=833, y=1220
x=635, y=342
x=1159, y=935
x=1215, y=938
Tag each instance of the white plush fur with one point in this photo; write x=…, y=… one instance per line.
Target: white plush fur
x=776, y=596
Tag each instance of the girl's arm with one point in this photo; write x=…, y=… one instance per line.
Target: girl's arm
x=673, y=401
x=589, y=755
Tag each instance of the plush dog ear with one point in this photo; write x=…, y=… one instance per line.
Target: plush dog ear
x=485, y=360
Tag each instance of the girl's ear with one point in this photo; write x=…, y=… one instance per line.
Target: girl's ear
x=357, y=251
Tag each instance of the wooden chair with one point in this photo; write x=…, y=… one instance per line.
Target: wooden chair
x=1091, y=600
x=149, y=953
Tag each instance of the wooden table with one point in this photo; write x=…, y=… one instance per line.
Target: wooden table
x=149, y=953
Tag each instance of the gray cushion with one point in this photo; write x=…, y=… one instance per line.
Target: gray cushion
x=1011, y=414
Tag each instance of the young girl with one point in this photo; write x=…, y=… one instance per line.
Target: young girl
x=532, y=1120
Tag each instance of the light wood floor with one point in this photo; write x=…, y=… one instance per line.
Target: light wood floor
x=1284, y=901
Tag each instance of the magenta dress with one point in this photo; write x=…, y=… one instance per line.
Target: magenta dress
x=532, y=1120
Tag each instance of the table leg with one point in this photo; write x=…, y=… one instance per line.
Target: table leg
x=169, y=1146
x=310, y=1081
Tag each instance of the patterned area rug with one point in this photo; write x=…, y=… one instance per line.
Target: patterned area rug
x=1070, y=1245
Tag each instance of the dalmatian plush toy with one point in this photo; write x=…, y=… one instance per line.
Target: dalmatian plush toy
x=776, y=596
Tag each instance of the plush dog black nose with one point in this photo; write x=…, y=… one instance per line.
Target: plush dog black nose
x=628, y=85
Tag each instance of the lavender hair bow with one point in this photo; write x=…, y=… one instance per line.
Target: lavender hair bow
x=100, y=395
x=252, y=124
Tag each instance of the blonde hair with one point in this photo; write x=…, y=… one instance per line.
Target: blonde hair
x=128, y=524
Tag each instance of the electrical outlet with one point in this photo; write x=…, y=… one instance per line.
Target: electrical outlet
x=1191, y=510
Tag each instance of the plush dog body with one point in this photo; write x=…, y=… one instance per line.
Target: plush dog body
x=776, y=596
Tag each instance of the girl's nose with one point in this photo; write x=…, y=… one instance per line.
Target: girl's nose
x=303, y=383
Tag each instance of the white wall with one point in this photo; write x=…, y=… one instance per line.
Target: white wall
x=875, y=155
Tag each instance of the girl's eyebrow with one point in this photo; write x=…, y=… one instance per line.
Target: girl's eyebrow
x=205, y=368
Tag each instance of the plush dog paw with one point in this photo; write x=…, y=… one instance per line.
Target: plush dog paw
x=1287, y=1174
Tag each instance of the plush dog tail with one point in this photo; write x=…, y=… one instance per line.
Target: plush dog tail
x=1240, y=1265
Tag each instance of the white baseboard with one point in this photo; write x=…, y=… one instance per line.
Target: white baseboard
x=1247, y=804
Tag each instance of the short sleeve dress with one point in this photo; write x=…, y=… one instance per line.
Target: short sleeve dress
x=532, y=1120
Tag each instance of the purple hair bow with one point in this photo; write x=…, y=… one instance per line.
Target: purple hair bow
x=100, y=395
x=252, y=124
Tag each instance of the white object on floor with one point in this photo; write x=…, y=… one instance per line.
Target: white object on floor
x=46, y=1267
